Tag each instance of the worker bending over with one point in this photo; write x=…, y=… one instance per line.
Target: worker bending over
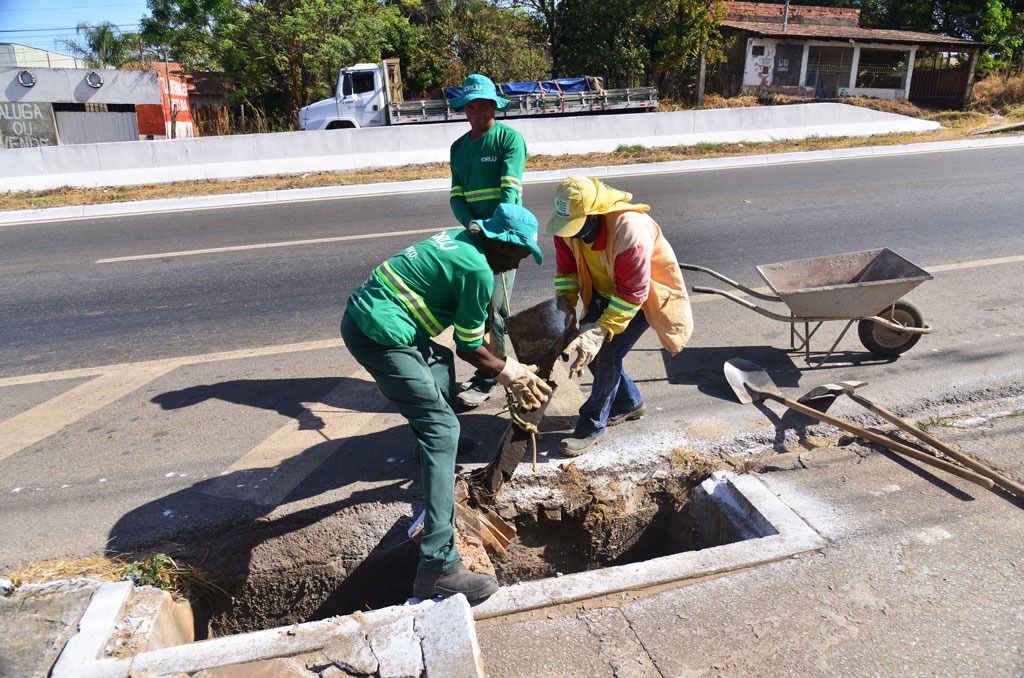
x=611, y=254
x=445, y=280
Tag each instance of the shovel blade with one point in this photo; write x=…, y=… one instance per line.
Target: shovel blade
x=748, y=380
x=822, y=397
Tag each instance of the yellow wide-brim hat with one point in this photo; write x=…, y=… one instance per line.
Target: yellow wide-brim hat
x=579, y=197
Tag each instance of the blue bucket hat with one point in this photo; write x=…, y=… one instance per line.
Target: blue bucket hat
x=478, y=87
x=516, y=225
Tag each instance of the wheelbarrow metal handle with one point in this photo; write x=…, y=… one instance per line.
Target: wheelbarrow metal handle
x=743, y=302
x=728, y=281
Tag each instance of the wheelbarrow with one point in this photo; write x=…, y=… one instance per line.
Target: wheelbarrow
x=860, y=287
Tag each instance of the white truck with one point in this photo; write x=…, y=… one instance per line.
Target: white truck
x=370, y=95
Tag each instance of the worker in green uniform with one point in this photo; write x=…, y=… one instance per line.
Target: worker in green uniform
x=445, y=280
x=487, y=165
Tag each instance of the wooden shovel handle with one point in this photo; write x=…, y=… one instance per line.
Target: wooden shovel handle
x=879, y=439
x=1002, y=481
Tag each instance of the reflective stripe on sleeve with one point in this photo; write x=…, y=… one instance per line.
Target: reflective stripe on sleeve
x=566, y=283
x=512, y=182
x=469, y=336
x=620, y=306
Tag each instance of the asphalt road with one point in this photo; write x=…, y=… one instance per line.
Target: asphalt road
x=149, y=358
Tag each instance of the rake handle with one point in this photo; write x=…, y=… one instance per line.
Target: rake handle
x=879, y=439
x=1002, y=481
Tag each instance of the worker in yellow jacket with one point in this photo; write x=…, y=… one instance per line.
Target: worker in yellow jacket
x=612, y=255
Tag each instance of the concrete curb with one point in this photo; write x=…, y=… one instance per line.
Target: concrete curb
x=423, y=185
x=436, y=637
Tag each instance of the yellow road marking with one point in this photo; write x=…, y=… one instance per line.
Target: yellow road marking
x=299, y=448
x=42, y=421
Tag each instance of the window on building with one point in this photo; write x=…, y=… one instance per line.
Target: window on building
x=828, y=70
x=882, y=69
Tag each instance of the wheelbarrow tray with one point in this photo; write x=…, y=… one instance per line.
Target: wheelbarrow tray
x=843, y=286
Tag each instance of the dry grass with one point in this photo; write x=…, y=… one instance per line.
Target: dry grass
x=99, y=567
x=158, y=569
x=1005, y=95
x=999, y=94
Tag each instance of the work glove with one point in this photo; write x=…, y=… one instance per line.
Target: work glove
x=586, y=345
x=474, y=226
x=529, y=390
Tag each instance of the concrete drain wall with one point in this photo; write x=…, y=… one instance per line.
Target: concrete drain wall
x=578, y=529
x=756, y=525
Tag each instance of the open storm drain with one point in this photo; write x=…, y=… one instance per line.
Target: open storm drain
x=602, y=538
x=576, y=527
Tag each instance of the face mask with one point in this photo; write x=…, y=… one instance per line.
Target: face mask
x=589, y=225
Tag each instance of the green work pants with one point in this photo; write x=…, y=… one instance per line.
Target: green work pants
x=420, y=381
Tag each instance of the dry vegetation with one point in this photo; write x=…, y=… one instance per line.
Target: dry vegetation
x=997, y=101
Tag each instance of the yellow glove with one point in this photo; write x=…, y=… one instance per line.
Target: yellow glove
x=529, y=390
x=586, y=345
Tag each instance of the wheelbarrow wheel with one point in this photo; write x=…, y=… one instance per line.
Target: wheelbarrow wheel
x=881, y=340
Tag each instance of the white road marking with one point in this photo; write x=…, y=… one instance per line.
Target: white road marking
x=265, y=245
x=112, y=382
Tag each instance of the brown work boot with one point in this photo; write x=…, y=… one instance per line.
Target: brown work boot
x=456, y=579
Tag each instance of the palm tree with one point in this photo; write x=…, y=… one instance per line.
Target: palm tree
x=104, y=45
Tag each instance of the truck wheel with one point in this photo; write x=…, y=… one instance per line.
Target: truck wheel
x=883, y=341
x=340, y=125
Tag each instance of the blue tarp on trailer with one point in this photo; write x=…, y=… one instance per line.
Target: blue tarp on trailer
x=536, y=87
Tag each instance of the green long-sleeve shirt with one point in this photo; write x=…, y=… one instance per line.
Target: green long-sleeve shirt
x=486, y=172
x=442, y=281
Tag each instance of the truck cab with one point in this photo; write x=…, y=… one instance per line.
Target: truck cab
x=359, y=101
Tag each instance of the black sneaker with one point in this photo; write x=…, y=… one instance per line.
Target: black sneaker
x=456, y=579
x=632, y=415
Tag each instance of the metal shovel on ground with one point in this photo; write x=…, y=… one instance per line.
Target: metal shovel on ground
x=822, y=397
x=750, y=382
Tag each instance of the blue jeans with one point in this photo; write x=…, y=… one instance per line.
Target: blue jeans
x=613, y=391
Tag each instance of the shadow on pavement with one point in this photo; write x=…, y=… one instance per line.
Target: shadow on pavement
x=322, y=530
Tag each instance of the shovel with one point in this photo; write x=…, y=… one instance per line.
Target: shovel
x=823, y=396
x=750, y=383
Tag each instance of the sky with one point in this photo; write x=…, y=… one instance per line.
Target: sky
x=39, y=23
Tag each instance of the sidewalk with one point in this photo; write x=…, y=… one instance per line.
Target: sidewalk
x=923, y=576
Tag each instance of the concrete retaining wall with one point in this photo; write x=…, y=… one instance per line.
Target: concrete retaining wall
x=130, y=163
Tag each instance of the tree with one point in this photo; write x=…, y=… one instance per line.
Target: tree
x=278, y=54
x=552, y=16
x=103, y=46
x=459, y=37
x=611, y=40
x=690, y=37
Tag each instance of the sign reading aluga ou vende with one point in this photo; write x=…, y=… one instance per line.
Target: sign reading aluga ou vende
x=27, y=125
